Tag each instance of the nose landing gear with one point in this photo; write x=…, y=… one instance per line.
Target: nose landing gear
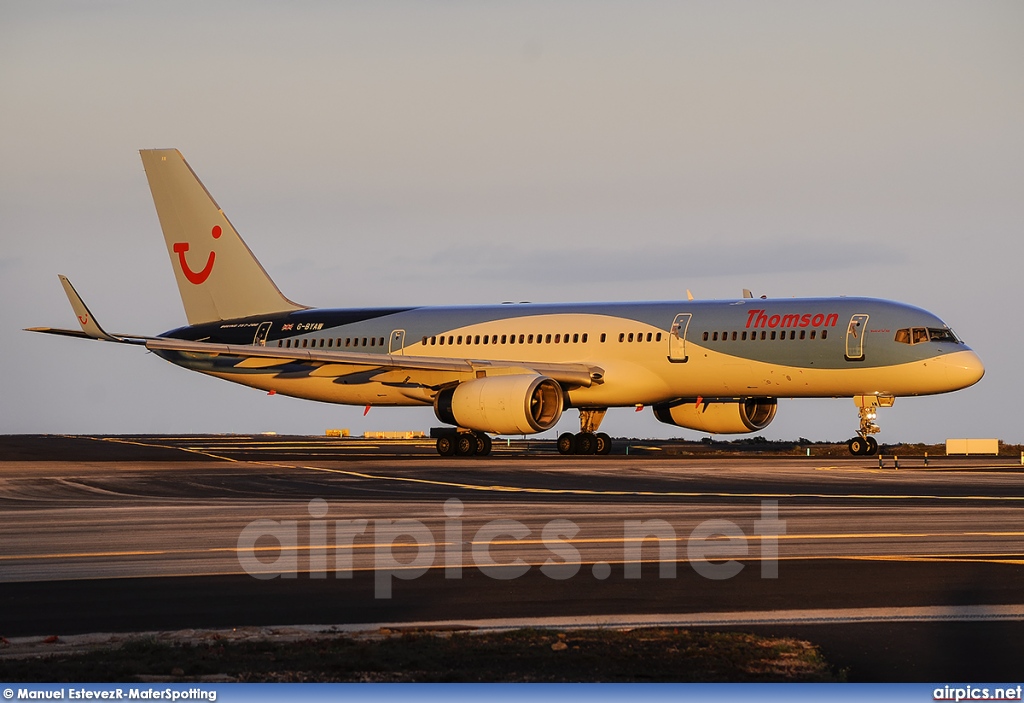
x=867, y=407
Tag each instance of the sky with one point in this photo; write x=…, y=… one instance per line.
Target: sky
x=410, y=153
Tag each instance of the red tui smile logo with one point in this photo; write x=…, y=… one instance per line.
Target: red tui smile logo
x=195, y=278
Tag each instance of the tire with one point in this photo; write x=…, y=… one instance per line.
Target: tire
x=567, y=443
x=586, y=443
x=858, y=447
x=604, y=444
x=872, y=447
x=465, y=444
x=446, y=446
x=483, y=445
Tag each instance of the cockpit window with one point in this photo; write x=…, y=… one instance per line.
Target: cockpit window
x=942, y=335
x=919, y=335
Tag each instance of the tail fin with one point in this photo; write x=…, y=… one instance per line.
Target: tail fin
x=218, y=277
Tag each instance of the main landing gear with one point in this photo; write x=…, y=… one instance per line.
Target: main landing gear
x=463, y=444
x=589, y=440
x=867, y=406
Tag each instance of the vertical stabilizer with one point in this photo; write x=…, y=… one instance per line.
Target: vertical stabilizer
x=218, y=277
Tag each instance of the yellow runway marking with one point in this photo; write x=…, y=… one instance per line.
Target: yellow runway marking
x=581, y=491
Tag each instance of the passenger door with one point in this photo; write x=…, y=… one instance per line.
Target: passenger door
x=260, y=340
x=855, y=337
x=677, y=338
x=397, y=342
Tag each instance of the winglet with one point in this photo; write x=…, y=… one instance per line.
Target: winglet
x=85, y=318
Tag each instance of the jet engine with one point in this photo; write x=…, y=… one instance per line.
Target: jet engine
x=514, y=404
x=718, y=417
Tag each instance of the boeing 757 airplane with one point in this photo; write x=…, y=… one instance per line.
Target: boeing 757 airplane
x=716, y=366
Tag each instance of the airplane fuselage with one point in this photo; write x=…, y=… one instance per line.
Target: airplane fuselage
x=650, y=352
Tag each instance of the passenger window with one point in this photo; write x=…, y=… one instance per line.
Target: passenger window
x=734, y=336
x=631, y=336
x=458, y=340
x=705, y=336
x=650, y=336
x=547, y=340
x=603, y=337
x=330, y=342
x=575, y=338
x=584, y=337
x=520, y=339
x=487, y=338
x=743, y=336
x=622, y=336
x=658, y=337
x=373, y=341
x=279, y=343
x=824, y=334
x=773, y=334
x=792, y=334
x=529, y=340
x=803, y=334
x=813, y=332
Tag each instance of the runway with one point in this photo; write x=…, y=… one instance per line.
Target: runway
x=145, y=533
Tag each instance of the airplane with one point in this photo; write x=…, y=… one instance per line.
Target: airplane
x=717, y=366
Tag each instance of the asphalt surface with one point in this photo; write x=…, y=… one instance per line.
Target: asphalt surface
x=150, y=533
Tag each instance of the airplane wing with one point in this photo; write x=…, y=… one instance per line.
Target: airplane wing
x=423, y=370
x=90, y=327
x=334, y=363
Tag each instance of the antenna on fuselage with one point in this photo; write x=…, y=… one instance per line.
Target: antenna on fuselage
x=747, y=293
x=689, y=295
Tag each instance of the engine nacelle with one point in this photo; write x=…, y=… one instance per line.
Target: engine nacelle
x=515, y=404
x=738, y=417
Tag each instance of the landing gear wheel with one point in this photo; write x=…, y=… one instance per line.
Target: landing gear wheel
x=604, y=443
x=465, y=444
x=872, y=447
x=858, y=446
x=586, y=443
x=567, y=443
x=483, y=444
x=446, y=446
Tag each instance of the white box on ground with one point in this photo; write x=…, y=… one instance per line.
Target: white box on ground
x=972, y=446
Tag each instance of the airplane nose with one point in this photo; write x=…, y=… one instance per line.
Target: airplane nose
x=963, y=368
